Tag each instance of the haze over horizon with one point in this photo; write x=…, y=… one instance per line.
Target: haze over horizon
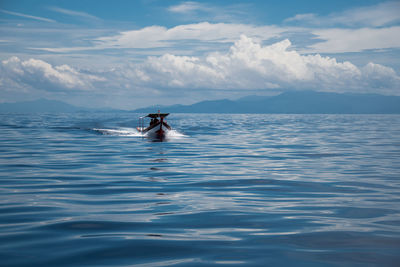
x=128, y=54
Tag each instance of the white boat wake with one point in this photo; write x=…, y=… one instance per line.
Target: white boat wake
x=175, y=134
x=172, y=134
x=118, y=132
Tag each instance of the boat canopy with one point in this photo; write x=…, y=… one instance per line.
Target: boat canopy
x=157, y=115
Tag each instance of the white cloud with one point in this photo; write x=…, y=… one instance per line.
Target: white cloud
x=376, y=16
x=354, y=30
x=157, y=36
x=379, y=76
x=41, y=75
x=382, y=14
x=187, y=7
x=192, y=37
x=249, y=65
x=308, y=17
x=356, y=40
x=26, y=16
x=214, y=12
x=78, y=14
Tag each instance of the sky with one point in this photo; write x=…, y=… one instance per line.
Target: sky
x=131, y=54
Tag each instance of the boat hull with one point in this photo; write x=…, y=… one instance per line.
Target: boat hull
x=156, y=132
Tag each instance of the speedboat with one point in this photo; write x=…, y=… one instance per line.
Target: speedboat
x=158, y=127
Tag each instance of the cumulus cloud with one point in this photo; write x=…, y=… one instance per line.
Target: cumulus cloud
x=249, y=65
x=378, y=76
x=41, y=75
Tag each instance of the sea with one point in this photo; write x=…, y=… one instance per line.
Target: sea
x=87, y=189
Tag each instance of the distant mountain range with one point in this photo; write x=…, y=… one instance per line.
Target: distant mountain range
x=308, y=102
x=305, y=102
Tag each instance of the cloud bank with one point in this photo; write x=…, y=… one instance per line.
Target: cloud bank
x=197, y=38
x=247, y=65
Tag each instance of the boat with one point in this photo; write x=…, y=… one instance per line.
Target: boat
x=158, y=127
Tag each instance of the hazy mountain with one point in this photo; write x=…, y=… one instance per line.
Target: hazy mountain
x=290, y=102
x=306, y=102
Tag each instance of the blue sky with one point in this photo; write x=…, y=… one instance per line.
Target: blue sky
x=129, y=54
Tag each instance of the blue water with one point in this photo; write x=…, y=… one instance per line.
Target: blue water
x=230, y=190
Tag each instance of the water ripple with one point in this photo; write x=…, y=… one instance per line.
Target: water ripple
x=310, y=190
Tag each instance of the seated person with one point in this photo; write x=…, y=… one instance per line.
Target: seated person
x=153, y=121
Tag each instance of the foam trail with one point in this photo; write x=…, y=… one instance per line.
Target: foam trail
x=172, y=134
x=119, y=132
x=175, y=134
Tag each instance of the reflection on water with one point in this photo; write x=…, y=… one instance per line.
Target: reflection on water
x=88, y=190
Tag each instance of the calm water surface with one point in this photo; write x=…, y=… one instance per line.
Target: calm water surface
x=229, y=190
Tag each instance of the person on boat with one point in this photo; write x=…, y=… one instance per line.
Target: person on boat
x=153, y=121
